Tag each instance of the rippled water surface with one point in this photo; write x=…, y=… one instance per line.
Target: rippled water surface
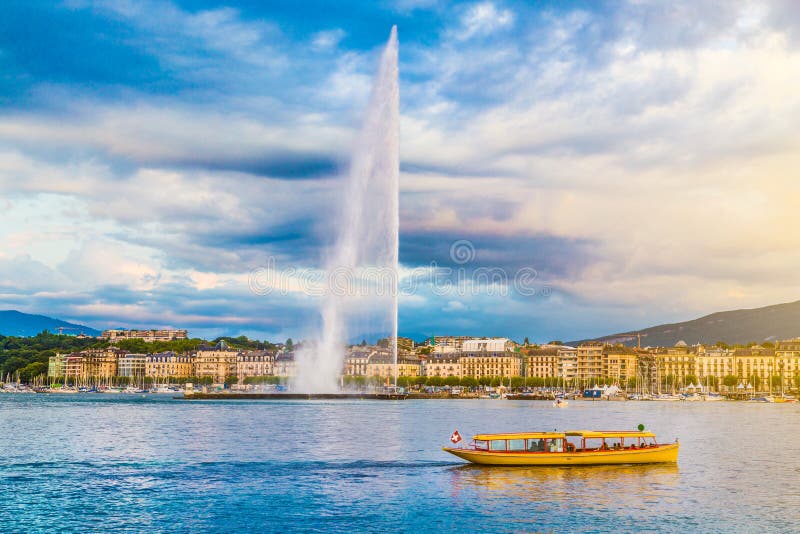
x=97, y=463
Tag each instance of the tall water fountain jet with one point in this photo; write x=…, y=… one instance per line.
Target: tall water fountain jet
x=367, y=239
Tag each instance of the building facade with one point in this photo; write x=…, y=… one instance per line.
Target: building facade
x=381, y=364
x=218, y=362
x=541, y=363
x=57, y=366
x=356, y=360
x=255, y=363
x=169, y=365
x=146, y=335
x=589, y=361
x=285, y=365
x=619, y=363
x=442, y=365
x=131, y=365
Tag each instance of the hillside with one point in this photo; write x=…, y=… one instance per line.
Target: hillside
x=780, y=321
x=15, y=323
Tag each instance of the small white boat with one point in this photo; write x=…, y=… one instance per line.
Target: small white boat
x=560, y=403
x=667, y=398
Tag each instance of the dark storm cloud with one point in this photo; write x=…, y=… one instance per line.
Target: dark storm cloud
x=548, y=255
x=288, y=165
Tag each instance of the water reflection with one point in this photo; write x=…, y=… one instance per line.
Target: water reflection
x=641, y=483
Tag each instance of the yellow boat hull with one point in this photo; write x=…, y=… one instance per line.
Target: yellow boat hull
x=654, y=455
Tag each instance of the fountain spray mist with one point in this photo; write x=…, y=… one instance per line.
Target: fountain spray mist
x=367, y=237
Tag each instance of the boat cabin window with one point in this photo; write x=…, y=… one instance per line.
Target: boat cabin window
x=481, y=445
x=536, y=445
x=614, y=443
x=516, y=445
x=497, y=445
x=594, y=444
x=555, y=445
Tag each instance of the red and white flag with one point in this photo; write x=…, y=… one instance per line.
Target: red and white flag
x=455, y=437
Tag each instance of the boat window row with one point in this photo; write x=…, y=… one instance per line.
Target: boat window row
x=571, y=444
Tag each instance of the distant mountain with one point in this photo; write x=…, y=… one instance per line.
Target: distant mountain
x=780, y=321
x=15, y=323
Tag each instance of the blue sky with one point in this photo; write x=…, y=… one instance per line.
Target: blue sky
x=640, y=156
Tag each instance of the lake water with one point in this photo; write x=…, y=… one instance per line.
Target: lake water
x=97, y=463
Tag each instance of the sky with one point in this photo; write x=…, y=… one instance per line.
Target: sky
x=620, y=164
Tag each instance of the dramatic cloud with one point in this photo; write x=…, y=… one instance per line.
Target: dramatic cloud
x=639, y=158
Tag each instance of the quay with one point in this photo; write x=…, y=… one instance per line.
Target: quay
x=291, y=396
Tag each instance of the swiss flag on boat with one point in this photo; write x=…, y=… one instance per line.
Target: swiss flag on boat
x=455, y=437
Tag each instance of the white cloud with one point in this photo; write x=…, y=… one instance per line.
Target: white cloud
x=483, y=19
x=328, y=39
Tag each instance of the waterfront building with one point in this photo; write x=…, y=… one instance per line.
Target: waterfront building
x=93, y=364
x=381, y=364
x=787, y=355
x=757, y=366
x=675, y=364
x=162, y=366
x=356, y=360
x=714, y=364
x=567, y=363
x=490, y=358
x=619, y=363
x=146, y=335
x=589, y=361
x=442, y=365
x=285, y=365
x=541, y=362
x=56, y=366
x=131, y=365
x=255, y=363
x=218, y=362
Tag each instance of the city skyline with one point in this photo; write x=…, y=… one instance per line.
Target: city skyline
x=154, y=154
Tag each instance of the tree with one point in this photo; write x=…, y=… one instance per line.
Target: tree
x=776, y=381
x=32, y=370
x=470, y=382
x=289, y=345
x=485, y=381
x=497, y=381
x=363, y=342
x=555, y=342
x=691, y=379
x=631, y=382
x=403, y=381
x=452, y=381
x=12, y=364
x=436, y=381
x=730, y=380
x=527, y=342
x=517, y=381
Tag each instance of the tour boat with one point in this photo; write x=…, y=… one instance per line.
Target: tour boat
x=573, y=447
